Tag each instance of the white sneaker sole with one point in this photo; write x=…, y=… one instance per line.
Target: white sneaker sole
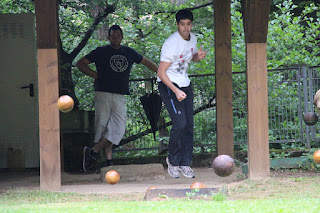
x=84, y=159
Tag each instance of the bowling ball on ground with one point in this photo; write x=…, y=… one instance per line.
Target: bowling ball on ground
x=310, y=118
x=112, y=177
x=316, y=156
x=151, y=187
x=65, y=103
x=198, y=185
x=223, y=165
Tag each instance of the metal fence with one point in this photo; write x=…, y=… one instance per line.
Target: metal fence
x=313, y=76
x=290, y=94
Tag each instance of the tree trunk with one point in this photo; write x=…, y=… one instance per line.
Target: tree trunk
x=102, y=32
x=67, y=85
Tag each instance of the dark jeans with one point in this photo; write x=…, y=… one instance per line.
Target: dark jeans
x=181, y=134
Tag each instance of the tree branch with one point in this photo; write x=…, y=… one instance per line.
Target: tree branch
x=20, y=4
x=64, y=56
x=189, y=8
x=150, y=31
x=109, y=9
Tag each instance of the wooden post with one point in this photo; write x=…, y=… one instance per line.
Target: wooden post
x=48, y=81
x=255, y=22
x=258, y=126
x=223, y=77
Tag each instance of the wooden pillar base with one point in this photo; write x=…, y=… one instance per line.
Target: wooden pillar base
x=49, y=122
x=258, y=126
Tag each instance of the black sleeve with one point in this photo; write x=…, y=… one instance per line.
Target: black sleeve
x=92, y=55
x=137, y=58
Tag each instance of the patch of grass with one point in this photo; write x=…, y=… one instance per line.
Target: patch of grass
x=266, y=205
x=163, y=196
x=290, y=188
x=291, y=194
x=14, y=197
x=219, y=197
x=297, y=179
x=193, y=193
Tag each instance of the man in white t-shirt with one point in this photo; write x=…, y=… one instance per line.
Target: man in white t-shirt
x=176, y=92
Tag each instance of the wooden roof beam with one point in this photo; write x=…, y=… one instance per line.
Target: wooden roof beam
x=255, y=20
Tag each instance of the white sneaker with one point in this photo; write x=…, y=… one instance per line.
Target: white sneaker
x=186, y=171
x=173, y=170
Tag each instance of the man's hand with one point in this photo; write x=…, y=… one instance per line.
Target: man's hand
x=180, y=95
x=201, y=54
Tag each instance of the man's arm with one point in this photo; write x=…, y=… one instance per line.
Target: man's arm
x=201, y=54
x=82, y=65
x=149, y=64
x=165, y=79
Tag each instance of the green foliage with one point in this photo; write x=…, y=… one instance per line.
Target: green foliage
x=16, y=6
x=313, y=165
x=192, y=194
x=293, y=40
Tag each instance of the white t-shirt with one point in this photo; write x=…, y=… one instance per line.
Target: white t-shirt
x=179, y=53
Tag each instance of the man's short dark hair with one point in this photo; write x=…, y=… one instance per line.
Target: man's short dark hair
x=114, y=27
x=184, y=14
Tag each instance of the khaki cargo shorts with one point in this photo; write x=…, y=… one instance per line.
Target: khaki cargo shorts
x=110, y=116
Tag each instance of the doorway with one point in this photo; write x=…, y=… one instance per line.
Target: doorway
x=19, y=129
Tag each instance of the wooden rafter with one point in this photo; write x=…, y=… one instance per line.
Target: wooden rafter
x=255, y=20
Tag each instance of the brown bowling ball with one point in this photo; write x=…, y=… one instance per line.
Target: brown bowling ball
x=310, y=118
x=223, y=165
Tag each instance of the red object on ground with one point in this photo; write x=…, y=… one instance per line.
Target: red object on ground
x=198, y=185
x=151, y=187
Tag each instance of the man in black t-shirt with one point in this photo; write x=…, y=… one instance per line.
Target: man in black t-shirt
x=113, y=63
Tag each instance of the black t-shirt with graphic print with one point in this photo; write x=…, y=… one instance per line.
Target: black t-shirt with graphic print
x=113, y=67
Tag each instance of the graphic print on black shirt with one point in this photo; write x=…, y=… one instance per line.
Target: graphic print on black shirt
x=118, y=63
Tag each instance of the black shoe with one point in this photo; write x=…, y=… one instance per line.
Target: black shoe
x=109, y=163
x=88, y=158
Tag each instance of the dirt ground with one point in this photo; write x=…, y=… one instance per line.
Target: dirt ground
x=139, y=182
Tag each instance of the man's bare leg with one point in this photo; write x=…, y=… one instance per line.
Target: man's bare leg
x=102, y=144
x=108, y=151
x=91, y=153
x=106, y=145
